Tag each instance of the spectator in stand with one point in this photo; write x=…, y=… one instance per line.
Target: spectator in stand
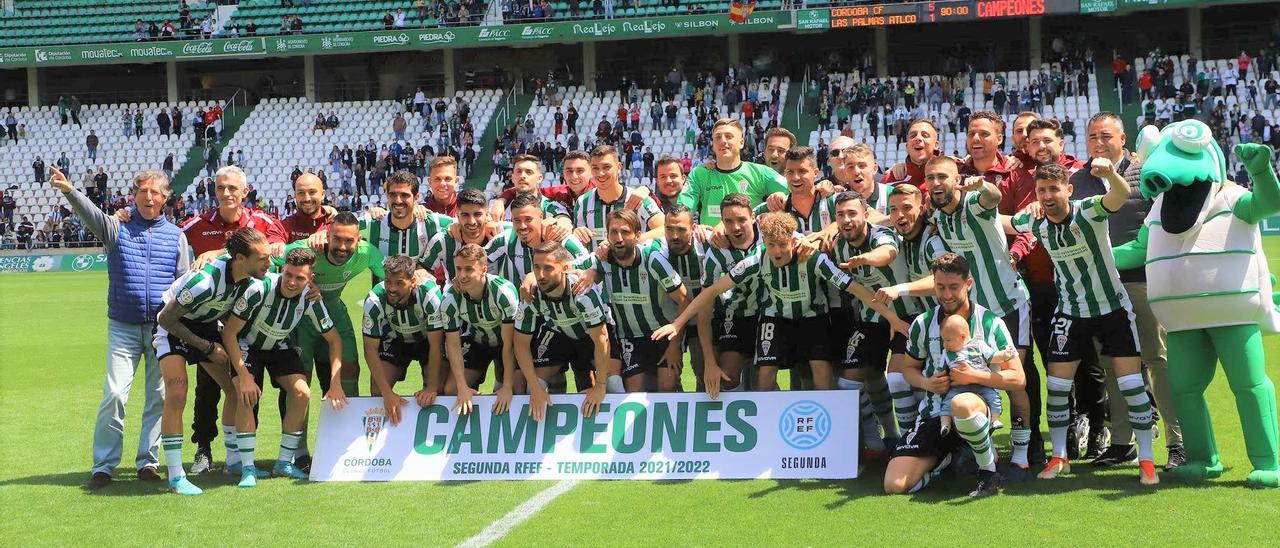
x=26, y=231
x=319, y=123
x=163, y=121
x=398, y=20
x=100, y=180
x=296, y=24
x=332, y=120
x=7, y=204
x=11, y=122
x=38, y=168
x=91, y=145
x=398, y=126
x=388, y=21
x=63, y=163
x=137, y=123
x=167, y=165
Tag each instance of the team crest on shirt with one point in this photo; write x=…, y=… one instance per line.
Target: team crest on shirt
x=742, y=186
x=346, y=274
x=185, y=297
x=241, y=305
x=368, y=323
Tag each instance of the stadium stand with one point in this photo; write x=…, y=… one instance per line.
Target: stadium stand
x=892, y=118
x=668, y=138
x=283, y=135
x=118, y=155
x=84, y=22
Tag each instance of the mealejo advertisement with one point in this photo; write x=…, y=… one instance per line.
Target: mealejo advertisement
x=637, y=436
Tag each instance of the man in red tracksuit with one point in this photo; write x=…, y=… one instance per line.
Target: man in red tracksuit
x=311, y=216
x=207, y=234
x=922, y=144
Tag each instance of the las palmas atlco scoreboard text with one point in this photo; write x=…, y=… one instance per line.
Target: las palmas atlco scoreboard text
x=636, y=436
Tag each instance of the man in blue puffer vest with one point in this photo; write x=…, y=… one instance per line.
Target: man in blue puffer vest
x=144, y=256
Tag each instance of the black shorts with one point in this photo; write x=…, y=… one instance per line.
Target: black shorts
x=898, y=344
x=862, y=344
x=276, y=363
x=1117, y=331
x=551, y=348
x=781, y=342
x=1018, y=323
x=638, y=355
x=926, y=440
x=735, y=334
x=477, y=356
x=167, y=344
x=399, y=353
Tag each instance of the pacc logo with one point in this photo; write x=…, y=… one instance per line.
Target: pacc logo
x=536, y=33
x=804, y=424
x=494, y=34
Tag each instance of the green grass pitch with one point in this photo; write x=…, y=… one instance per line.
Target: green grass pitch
x=52, y=345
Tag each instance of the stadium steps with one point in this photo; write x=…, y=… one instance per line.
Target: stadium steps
x=805, y=124
x=194, y=165
x=1109, y=101
x=483, y=167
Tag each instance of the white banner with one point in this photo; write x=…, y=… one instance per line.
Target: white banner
x=743, y=435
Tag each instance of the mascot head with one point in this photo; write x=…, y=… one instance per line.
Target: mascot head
x=1183, y=167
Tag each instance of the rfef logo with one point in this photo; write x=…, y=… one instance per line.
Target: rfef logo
x=804, y=424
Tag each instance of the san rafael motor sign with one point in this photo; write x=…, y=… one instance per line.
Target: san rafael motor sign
x=781, y=435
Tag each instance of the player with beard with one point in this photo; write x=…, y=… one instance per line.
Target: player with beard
x=669, y=180
x=871, y=254
x=478, y=311
x=686, y=253
x=637, y=283
x=256, y=336
x=402, y=324
x=966, y=217
x=730, y=348
x=610, y=195
x=1043, y=146
x=557, y=329
x=1092, y=303
x=511, y=253
x=187, y=332
x=344, y=256
x=575, y=177
x=925, y=451
x=708, y=186
x=920, y=246
x=777, y=141
x=472, y=227
x=812, y=212
x=401, y=233
x=312, y=216
x=922, y=144
x=794, y=323
x=526, y=177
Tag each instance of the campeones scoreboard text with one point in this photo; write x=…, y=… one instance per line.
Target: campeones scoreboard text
x=941, y=12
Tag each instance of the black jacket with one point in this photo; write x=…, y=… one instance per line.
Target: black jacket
x=1124, y=224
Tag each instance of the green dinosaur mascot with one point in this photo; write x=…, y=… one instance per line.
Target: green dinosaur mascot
x=1208, y=284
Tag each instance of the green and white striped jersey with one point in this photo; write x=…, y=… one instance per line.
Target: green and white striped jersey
x=408, y=322
x=591, y=211
x=1084, y=269
x=208, y=293
x=549, y=208
x=744, y=299
x=974, y=232
x=570, y=314
x=919, y=255
x=441, y=250
x=874, y=277
x=411, y=242
x=689, y=266
x=637, y=294
x=270, y=316
x=821, y=214
x=481, y=319
x=924, y=343
x=512, y=259
x=879, y=198
x=791, y=290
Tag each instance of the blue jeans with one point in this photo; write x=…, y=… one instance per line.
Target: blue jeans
x=127, y=344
